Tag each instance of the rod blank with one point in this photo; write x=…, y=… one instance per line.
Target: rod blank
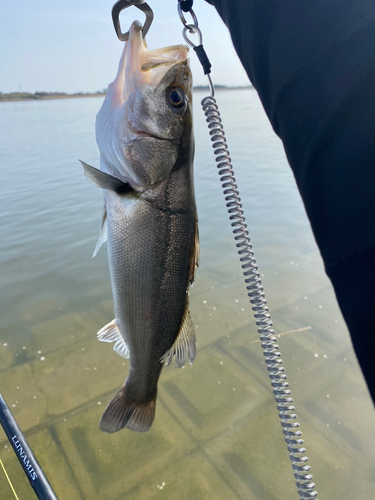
x=29, y=463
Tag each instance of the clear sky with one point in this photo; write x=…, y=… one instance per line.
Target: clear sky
x=71, y=46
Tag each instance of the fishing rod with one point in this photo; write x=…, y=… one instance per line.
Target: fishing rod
x=21, y=448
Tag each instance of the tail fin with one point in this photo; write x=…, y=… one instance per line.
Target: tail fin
x=122, y=413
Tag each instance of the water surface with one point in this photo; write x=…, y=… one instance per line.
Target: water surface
x=216, y=434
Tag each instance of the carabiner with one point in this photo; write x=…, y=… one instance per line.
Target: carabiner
x=124, y=4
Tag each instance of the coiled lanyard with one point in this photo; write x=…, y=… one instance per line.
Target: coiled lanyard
x=254, y=287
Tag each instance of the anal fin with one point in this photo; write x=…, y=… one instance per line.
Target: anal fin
x=185, y=344
x=111, y=333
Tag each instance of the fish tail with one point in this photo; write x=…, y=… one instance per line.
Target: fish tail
x=125, y=412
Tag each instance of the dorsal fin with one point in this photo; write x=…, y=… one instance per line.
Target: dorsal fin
x=185, y=343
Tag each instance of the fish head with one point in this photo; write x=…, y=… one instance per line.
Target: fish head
x=145, y=123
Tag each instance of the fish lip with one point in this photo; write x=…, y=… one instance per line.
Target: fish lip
x=138, y=63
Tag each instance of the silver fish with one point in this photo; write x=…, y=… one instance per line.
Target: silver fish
x=145, y=136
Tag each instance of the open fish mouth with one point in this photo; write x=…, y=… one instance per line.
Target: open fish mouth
x=164, y=57
x=140, y=65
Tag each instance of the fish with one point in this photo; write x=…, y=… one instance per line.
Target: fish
x=144, y=132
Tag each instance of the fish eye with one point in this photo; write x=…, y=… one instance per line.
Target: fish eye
x=176, y=98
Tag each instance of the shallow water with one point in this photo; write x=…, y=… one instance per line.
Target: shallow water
x=216, y=434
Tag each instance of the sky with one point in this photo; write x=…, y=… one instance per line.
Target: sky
x=71, y=46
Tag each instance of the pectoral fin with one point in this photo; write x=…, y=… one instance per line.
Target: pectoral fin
x=194, y=260
x=185, y=343
x=102, y=233
x=105, y=181
x=111, y=333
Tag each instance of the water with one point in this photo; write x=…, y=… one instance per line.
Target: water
x=216, y=434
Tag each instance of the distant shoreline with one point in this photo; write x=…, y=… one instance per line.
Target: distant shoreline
x=45, y=96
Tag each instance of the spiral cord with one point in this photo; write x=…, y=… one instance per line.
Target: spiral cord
x=281, y=391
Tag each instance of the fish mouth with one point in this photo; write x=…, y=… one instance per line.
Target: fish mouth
x=140, y=65
x=163, y=58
